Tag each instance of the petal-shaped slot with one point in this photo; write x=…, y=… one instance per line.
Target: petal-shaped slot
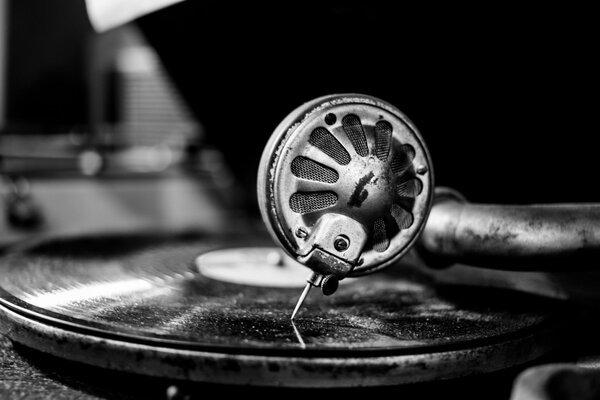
x=402, y=159
x=305, y=168
x=322, y=139
x=409, y=188
x=380, y=238
x=407, y=203
x=354, y=130
x=403, y=218
x=383, y=139
x=306, y=202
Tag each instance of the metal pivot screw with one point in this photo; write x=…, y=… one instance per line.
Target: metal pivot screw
x=341, y=243
x=422, y=169
x=301, y=233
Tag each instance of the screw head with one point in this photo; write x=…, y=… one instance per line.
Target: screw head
x=422, y=169
x=301, y=233
x=341, y=243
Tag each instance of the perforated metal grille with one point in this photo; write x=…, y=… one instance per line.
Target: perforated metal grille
x=322, y=139
x=303, y=203
x=403, y=218
x=383, y=137
x=380, y=239
x=410, y=188
x=306, y=168
x=403, y=158
x=318, y=186
x=354, y=130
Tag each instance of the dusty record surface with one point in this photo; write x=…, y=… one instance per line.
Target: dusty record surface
x=147, y=290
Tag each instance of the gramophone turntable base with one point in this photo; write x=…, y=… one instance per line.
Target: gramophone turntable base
x=138, y=303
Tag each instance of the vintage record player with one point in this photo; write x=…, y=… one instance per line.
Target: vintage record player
x=424, y=221
x=423, y=293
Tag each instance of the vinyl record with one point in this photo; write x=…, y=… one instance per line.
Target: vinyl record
x=206, y=309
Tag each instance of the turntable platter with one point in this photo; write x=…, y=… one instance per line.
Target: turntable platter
x=159, y=305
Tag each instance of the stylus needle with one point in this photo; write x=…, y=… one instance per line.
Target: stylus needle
x=301, y=299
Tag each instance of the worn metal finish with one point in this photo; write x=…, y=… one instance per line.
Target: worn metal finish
x=513, y=237
x=140, y=304
x=558, y=381
x=337, y=235
x=351, y=155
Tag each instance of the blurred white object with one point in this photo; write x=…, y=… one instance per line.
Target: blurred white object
x=108, y=14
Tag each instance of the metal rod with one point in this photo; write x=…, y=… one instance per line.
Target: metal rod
x=301, y=299
x=550, y=237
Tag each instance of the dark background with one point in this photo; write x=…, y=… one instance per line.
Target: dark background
x=505, y=98
x=47, y=56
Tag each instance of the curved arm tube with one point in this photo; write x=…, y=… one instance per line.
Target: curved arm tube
x=536, y=237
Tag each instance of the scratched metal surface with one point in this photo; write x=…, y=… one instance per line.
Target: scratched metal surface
x=147, y=287
x=31, y=375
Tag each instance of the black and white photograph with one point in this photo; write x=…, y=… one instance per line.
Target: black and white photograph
x=322, y=199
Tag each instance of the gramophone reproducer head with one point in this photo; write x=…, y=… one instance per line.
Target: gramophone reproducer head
x=345, y=186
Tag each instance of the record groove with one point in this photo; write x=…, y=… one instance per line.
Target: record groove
x=140, y=303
